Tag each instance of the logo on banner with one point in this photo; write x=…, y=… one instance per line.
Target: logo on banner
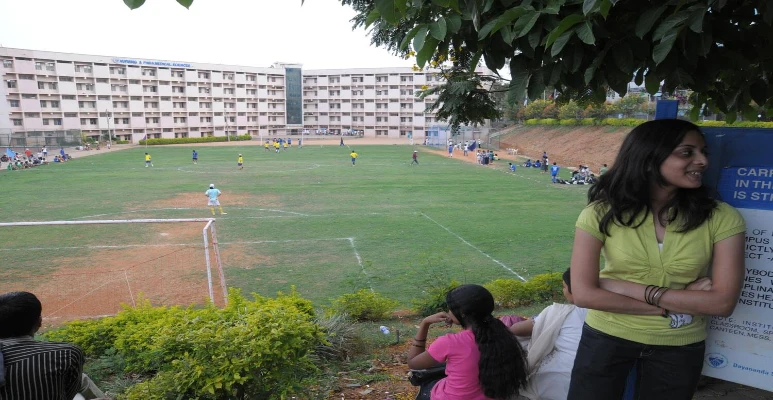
x=716, y=360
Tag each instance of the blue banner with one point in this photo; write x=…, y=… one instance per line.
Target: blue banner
x=747, y=187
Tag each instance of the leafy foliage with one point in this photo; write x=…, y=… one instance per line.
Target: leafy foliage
x=364, y=305
x=206, y=139
x=584, y=47
x=570, y=110
x=434, y=299
x=249, y=349
x=516, y=293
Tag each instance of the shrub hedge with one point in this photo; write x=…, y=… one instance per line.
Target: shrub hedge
x=255, y=349
x=633, y=122
x=206, y=139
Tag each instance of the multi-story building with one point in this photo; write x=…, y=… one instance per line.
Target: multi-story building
x=137, y=98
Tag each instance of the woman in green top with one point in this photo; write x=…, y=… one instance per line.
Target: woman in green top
x=673, y=256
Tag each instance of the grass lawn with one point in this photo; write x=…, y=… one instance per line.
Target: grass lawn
x=304, y=217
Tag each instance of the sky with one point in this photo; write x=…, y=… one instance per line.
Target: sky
x=253, y=33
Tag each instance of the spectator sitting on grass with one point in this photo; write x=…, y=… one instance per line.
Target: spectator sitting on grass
x=483, y=361
x=36, y=370
x=555, y=335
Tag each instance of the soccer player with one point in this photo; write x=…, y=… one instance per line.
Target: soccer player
x=354, y=157
x=276, y=145
x=195, y=157
x=148, y=161
x=512, y=167
x=554, y=172
x=240, y=162
x=415, y=158
x=284, y=146
x=213, y=195
x=265, y=145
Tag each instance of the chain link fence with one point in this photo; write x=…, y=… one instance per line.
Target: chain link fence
x=20, y=140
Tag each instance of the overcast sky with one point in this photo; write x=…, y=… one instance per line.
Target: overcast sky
x=237, y=32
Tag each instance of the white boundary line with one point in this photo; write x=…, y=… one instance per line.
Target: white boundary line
x=362, y=266
x=293, y=213
x=471, y=245
x=125, y=275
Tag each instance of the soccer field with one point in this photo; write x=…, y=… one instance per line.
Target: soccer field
x=303, y=217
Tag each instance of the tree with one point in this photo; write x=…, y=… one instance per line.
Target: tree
x=717, y=48
x=534, y=109
x=630, y=104
x=570, y=110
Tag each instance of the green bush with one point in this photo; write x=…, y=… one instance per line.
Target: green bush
x=549, y=121
x=121, y=142
x=206, y=139
x=434, y=300
x=632, y=122
x=587, y=122
x=569, y=122
x=365, y=305
x=509, y=292
x=531, y=121
x=249, y=349
x=516, y=293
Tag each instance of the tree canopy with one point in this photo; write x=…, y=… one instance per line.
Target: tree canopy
x=718, y=49
x=581, y=48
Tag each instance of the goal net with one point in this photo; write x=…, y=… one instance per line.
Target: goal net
x=87, y=269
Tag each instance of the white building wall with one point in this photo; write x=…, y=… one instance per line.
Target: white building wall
x=121, y=80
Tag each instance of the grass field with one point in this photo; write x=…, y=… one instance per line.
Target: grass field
x=304, y=217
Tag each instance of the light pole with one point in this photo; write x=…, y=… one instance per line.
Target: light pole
x=109, y=115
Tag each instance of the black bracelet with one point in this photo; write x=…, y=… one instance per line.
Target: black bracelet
x=418, y=345
x=419, y=340
x=660, y=296
x=665, y=313
x=647, y=292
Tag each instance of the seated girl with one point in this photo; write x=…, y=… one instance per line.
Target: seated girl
x=483, y=361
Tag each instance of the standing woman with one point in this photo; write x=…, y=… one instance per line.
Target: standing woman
x=484, y=361
x=673, y=257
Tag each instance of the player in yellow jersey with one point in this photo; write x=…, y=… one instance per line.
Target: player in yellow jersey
x=276, y=146
x=148, y=161
x=354, y=157
x=265, y=145
x=240, y=162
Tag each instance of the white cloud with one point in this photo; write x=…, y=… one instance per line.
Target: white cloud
x=238, y=32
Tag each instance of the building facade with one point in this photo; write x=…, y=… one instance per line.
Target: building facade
x=138, y=98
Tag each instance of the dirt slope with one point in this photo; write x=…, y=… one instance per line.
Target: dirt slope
x=566, y=145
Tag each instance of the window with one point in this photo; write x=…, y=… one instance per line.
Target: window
x=11, y=84
x=251, y=78
x=252, y=105
x=68, y=97
x=150, y=89
x=180, y=120
x=83, y=68
x=151, y=120
x=229, y=105
x=8, y=63
x=13, y=103
x=205, y=105
x=118, y=88
x=41, y=85
x=27, y=77
x=88, y=121
x=178, y=74
x=148, y=72
x=178, y=89
x=332, y=80
x=29, y=96
x=241, y=114
x=136, y=114
x=135, y=98
x=103, y=80
x=178, y=104
x=70, y=115
x=166, y=114
x=151, y=104
x=16, y=122
x=84, y=86
x=228, y=91
x=406, y=79
x=103, y=97
x=134, y=81
x=120, y=104
x=252, y=92
x=229, y=77
x=65, y=79
x=87, y=104
x=190, y=84
x=205, y=119
x=204, y=75
x=166, y=99
x=203, y=90
x=118, y=70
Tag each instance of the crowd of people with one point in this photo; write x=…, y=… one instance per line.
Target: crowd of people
x=28, y=159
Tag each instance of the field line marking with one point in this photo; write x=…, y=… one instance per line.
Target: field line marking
x=473, y=246
x=359, y=261
x=126, y=246
x=126, y=276
x=188, y=209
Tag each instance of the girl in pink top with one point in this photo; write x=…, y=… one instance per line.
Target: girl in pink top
x=484, y=361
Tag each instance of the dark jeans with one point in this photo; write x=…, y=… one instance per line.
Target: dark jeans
x=425, y=390
x=604, y=361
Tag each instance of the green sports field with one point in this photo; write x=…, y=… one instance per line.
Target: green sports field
x=304, y=217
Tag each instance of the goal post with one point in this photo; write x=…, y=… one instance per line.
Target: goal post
x=89, y=268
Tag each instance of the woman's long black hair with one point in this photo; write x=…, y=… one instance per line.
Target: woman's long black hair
x=625, y=188
x=502, y=367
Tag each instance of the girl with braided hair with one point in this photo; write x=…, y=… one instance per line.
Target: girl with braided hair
x=484, y=361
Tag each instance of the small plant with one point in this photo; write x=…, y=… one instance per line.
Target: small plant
x=546, y=287
x=510, y=292
x=364, y=305
x=341, y=338
x=434, y=300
